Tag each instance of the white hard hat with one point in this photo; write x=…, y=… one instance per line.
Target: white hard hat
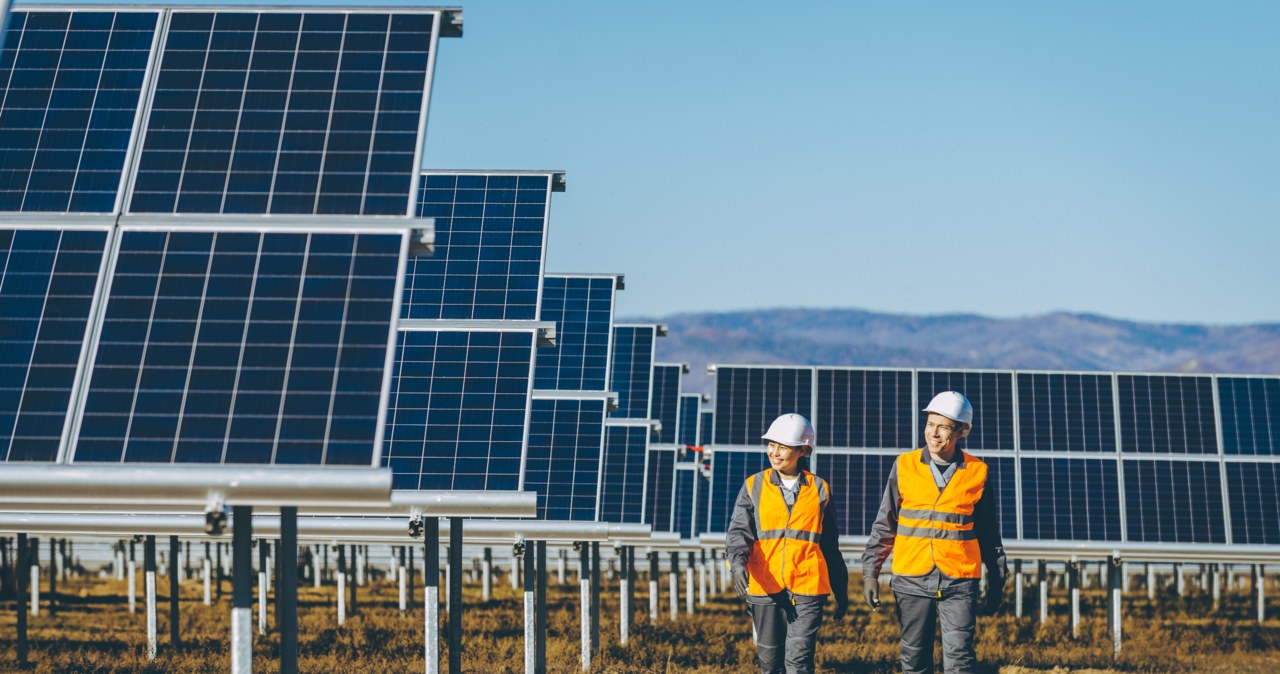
x=792, y=430
x=952, y=405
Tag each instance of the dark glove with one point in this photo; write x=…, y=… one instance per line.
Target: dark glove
x=995, y=596
x=741, y=581
x=871, y=590
x=842, y=607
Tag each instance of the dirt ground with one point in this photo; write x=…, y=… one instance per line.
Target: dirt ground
x=93, y=632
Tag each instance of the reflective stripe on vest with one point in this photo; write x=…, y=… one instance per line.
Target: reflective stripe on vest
x=936, y=528
x=785, y=555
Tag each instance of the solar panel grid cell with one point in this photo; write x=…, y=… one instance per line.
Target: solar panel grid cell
x=622, y=481
x=1174, y=501
x=47, y=285
x=1250, y=415
x=684, y=503
x=70, y=82
x=729, y=470
x=1066, y=412
x=1167, y=414
x=706, y=427
x=664, y=403
x=748, y=399
x=1070, y=499
x=864, y=408
x=689, y=413
x=857, y=483
x=487, y=264
x=1254, y=490
x=566, y=439
x=991, y=394
x=631, y=373
x=659, y=488
x=582, y=309
x=459, y=408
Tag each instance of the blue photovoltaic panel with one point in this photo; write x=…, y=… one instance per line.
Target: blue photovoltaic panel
x=689, y=405
x=242, y=348
x=684, y=503
x=70, y=87
x=665, y=403
x=991, y=394
x=1002, y=485
x=1070, y=499
x=702, y=497
x=748, y=399
x=566, y=438
x=1250, y=409
x=706, y=428
x=729, y=470
x=487, y=262
x=659, y=488
x=632, y=370
x=1255, y=503
x=857, y=483
x=1174, y=502
x=1066, y=412
x=865, y=408
x=459, y=409
x=623, y=479
x=47, y=282
x=582, y=310
x=285, y=112
x=1167, y=414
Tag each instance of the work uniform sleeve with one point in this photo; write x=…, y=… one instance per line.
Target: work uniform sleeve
x=986, y=521
x=884, y=529
x=829, y=544
x=740, y=538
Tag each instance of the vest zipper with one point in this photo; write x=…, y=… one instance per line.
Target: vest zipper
x=785, y=529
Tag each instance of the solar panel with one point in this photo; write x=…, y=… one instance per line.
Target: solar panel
x=623, y=477
x=1250, y=413
x=864, y=408
x=684, y=502
x=729, y=469
x=1070, y=499
x=702, y=501
x=632, y=369
x=70, y=82
x=582, y=309
x=1174, y=501
x=857, y=483
x=659, y=488
x=991, y=394
x=48, y=281
x=490, y=238
x=304, y=112
x=1254, y=489
x=1062, y=411
x=566, y=442
x=459, y=409
x=1167, y=414
x=748, y=399
x=1002, y=485
x=706, y=427
x=688, y=425
x=664, y=404
x=242, y=347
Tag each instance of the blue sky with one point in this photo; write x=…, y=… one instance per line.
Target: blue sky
x=1003, y=158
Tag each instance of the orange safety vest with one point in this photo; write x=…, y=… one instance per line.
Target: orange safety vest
x=936, y=528
x=785, y=555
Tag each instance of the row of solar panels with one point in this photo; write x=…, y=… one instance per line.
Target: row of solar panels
x=1074, y=456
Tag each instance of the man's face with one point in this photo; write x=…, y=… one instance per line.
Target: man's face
x=941, y=434
x=784, y=458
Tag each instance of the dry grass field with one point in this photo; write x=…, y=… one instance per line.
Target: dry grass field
x=93, y=632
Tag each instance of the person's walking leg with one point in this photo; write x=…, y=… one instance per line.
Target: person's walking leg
x=918, y=617
x=802, y=636
x=771, y=636
x=958, y=616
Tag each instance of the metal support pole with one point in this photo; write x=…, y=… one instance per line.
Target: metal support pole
x=486, y=576
x=207, y=567
x=262, y=588
x=1073, y=582
x=342, y=585
x=34, y=561
x=1017, y=587
x=530, y=611
x=361, y=553
x=1042, y=570
x=21, y=582
x=353, y=587
x=702, y=578
x=1115, y=594
x=560, y=566
x=53, y=576
x=688, y=584
x=624, y=601
x=316, y=570
x=673, y=585
x=242, y=590
x=584, y=595
x=149, y=571
x=631, y=583
x=1260, y=591
x=412, y=572
x=175, y=637
x=1151, y=581
x=539, y=580
x=400, y=577
x=595, y=596
x=653, y=587
x=431, y=592
x=455, y=595
x=218, y=571
x=287, y=591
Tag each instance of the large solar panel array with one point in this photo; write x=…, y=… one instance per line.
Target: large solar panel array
x=1073, y=456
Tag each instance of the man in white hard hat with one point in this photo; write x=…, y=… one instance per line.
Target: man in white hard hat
x=783, y=550
x=939, y=520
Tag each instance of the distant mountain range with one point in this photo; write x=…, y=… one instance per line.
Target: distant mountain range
x=1057, y=341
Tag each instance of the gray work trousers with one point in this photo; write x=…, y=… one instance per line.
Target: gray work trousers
x=787, y=635
x=957, y=611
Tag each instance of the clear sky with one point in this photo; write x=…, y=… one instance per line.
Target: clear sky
x=1004, y=158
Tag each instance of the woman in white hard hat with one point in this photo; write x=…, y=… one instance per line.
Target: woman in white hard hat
x=942, y=528
x=783, y=549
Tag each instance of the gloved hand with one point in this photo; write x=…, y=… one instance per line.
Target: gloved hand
x=871, y=590
x=741, y=581
x=842, y=607
x=995, y=596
